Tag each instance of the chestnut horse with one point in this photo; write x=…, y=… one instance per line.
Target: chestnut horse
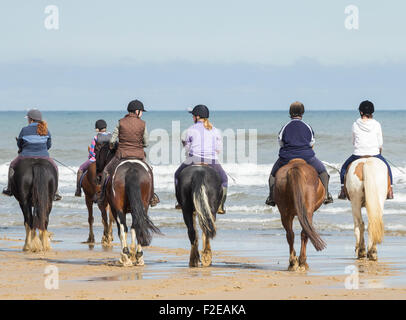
x=299, y=192
x=129, y=190
x=90, y=189
x=366, y=185
x=34, y=184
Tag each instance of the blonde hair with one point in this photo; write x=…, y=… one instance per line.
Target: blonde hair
x=42, y=128
x=207, y=124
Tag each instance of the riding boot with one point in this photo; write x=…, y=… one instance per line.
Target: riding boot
x=390, y=193
x=78, y=192
x=342, y=194
x=324, y=177
x=221, y=209
x=7, y=191
x=270, y=201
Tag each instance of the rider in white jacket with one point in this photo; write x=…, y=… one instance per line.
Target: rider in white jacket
x=367, y=140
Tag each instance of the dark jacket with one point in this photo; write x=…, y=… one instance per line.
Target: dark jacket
x=32, y=144
x=131, y=137
x=296, y=139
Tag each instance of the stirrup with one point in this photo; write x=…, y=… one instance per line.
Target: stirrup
x=329, y=199
x=270, y=202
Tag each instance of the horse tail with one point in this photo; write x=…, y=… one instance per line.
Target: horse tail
x=142, y=223
x=295, y=183
x=374, y=208
x=202, y=205
x=41, y=199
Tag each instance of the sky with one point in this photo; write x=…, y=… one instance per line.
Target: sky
x=229, y=55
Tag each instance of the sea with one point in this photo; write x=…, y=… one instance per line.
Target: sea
x=248, y=157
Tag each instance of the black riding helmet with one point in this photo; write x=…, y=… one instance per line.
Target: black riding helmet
x=135, y=105
x=200, y=110
x=296, y=109
x=366, y=107
x=100, y=124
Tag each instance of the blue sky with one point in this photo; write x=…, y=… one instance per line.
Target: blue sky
x=226, y=54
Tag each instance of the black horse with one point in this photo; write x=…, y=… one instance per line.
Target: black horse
x=129, y=190
x=199, y=192
x=34, y=184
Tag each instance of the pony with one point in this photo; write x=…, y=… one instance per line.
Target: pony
x=299, y=192
x=34, y=184
x=366, y=184
x=90, y=189
x=129, y=190
x=199, y=193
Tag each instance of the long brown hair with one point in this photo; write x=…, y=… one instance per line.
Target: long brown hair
x=42, y=128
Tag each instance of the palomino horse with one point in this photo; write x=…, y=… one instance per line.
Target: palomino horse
x=90, y=187
x=34, y=184
x=366, y=184
x=299, y=192
x=129, y=190
x=199, y=193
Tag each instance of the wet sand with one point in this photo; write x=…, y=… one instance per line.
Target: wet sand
x=241, y=270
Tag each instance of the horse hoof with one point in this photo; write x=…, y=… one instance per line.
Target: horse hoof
x=372, y=256
x=139, y=261
x=206, y=260
x=303, y=267
x=125, y=260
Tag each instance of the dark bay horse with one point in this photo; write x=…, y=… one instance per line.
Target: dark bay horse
x=34, y=184
x=90, y=189
x=129, y=190
x=199, y=193
x=299, y=192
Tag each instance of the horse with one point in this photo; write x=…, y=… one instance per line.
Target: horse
x=199, y=192
x=90, y=189
x=366, y=184
x=299, y=192
x=129, y=190
x=34, y=184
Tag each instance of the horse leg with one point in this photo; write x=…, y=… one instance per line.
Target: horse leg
x=290, y=236
x=44, y=236
x=190, y=220
x=110, y=230
x=303, y=266
x=372, y=251
x=89, y=205
x=359, y=228
x=105, y=241
x=28, y=226
x=207, y=254
x=122, y=232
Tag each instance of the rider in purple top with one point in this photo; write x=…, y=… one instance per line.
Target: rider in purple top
x=203, y=143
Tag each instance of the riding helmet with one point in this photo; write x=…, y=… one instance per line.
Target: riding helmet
x=100, y=124
x=200, y=110
x=296, y=109
x=34, y=114
x=366, y=107
x=135, y=105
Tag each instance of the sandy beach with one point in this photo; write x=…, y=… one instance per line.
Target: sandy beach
x=93, y=272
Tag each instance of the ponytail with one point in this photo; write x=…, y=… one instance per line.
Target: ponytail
x=207, y=124
x=42, y=128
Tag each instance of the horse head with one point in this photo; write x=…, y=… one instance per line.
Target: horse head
x=103, y=155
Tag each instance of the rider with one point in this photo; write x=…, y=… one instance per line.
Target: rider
x=101, y=136
x=203, y=143
x=296, y=140
x=367, y=141
x=34, y=141
x=131, y=135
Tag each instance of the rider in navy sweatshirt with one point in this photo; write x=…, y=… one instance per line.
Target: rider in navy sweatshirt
x=296, y=140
